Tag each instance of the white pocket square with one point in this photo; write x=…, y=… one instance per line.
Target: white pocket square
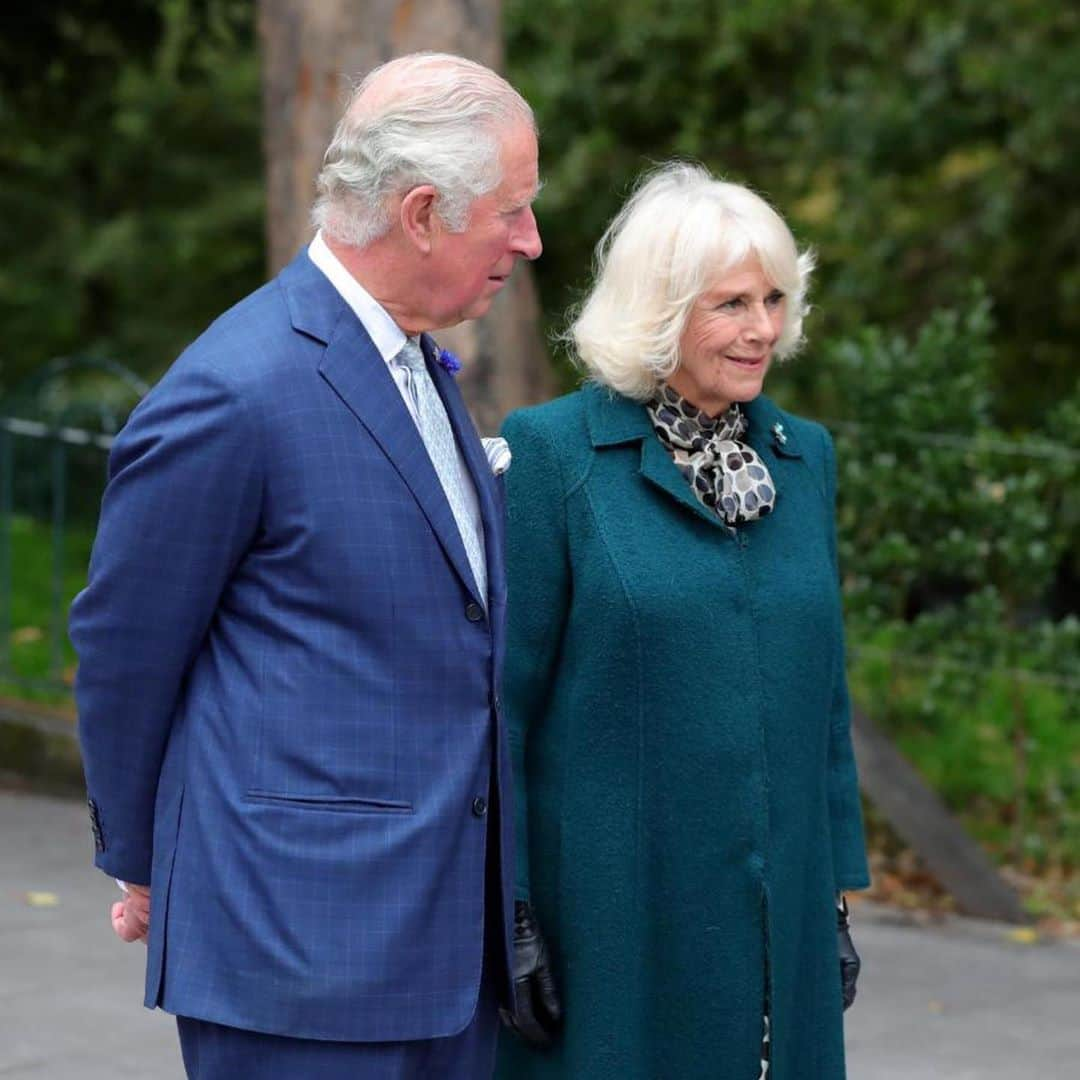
x=498, y=454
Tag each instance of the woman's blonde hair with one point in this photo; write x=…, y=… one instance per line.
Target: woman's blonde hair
x=680, y=230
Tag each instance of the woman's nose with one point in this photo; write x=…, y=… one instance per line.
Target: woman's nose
x=759, y=323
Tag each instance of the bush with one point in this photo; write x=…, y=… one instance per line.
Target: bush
x=953, y=535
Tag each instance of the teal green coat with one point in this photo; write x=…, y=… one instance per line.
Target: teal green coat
x=686, y=790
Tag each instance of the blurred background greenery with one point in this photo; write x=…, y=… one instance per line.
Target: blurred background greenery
x=928, y=152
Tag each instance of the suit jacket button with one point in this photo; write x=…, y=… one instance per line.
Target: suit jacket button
x=95, y=825
x=479, y=806
x=473, y=611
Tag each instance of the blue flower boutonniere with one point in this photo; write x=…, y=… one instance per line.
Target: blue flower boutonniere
x=449, y=362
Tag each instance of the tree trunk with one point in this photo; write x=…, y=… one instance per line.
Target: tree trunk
x=311, y=53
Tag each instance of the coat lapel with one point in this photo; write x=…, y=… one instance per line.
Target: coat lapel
x=615, y=420
x=658, y=468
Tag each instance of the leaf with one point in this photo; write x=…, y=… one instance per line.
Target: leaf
x=1023, y=935
x=42, y=899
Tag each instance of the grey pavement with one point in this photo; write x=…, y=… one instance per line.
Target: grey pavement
x=955, y=1001
x=70, y=991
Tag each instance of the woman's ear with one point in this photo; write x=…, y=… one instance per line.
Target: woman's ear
x=419, y=219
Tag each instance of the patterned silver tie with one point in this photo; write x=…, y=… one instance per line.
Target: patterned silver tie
x=438, y=437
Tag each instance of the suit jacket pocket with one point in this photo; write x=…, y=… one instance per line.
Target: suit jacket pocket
x=347, y=804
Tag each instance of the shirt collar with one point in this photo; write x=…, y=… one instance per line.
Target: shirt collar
x=385, y=334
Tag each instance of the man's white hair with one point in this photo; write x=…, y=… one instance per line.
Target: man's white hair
x=680, y=230
x=425, y=118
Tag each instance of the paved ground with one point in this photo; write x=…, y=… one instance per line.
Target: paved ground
x=954, y=1002
x=69, y=996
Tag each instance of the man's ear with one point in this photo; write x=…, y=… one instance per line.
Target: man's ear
x=419, y=219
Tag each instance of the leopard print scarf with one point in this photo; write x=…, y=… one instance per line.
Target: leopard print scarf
x=723, y=472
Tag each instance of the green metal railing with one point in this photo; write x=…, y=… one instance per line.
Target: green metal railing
x=56, y=430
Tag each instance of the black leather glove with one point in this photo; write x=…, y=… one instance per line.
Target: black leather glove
x=849, y=958
x=536, y=1012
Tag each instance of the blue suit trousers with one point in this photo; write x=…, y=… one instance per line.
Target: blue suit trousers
x=215, y=1052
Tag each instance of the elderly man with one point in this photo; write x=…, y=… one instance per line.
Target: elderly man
x=291, y=637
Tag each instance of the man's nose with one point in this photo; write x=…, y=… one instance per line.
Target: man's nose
x=527, y=242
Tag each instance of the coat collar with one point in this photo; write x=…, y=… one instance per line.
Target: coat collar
x=356, y=371
x=614, y=420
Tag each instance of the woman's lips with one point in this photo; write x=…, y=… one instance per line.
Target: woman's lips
x=747, y=361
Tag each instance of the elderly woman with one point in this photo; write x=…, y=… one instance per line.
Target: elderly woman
x=688, y=811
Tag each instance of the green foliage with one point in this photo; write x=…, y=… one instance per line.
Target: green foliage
x=914, y=144
x=990, y=717
x=918, y=146
x=937, y=498
x=954, y=535
x=36, y=640
x=133, y=182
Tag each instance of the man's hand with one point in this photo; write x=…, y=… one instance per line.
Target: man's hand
x=849, y=958
x=131, y=916
x=536, y=1012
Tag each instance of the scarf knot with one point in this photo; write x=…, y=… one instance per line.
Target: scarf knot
x=724, y=473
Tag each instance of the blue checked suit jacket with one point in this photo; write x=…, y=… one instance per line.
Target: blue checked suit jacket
x=287, y=689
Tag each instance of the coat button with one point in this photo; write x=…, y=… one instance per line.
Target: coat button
x=479, y=806
x=473, y=612
x=496, y=701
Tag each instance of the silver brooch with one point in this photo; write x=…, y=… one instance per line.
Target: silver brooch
x=778, y=433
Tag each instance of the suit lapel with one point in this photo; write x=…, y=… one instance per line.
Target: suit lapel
x=356, y=371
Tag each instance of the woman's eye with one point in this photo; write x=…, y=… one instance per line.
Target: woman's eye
x=774, y=298
x=729, y=305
